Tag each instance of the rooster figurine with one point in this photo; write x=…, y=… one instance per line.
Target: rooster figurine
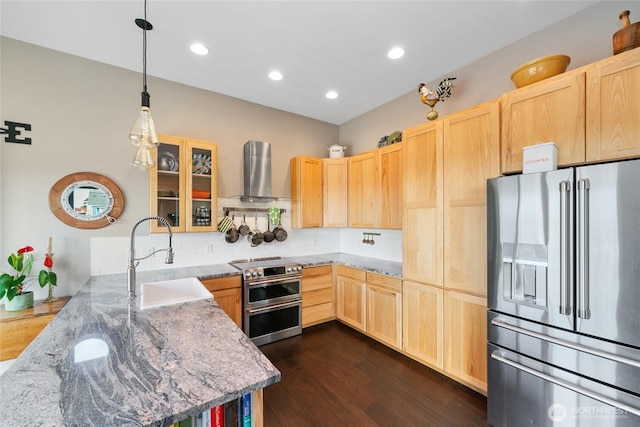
x=431, y=97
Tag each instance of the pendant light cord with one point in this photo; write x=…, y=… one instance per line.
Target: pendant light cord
x=144, y=48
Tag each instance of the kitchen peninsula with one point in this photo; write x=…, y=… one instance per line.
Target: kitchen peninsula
x=104, y=361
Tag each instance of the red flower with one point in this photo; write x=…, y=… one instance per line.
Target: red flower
x=25, y=250
x=48, y=261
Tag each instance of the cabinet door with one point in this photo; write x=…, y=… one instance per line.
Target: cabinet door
x=471, y=155
x=422, y=234
x=167, y=185
x=384, y=309
x=317, y=295
x=613, y=108
x=230, y=301
x=334, y=186
x=552, y=111
x=351, y=301
x=423, y=322
x=465, y=331
x=183, y=185
x=363, y=203
x=306, y=192
x=202, y=189
x=390, y=170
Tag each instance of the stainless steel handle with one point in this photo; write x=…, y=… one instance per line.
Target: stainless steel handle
x=582, y=250
x=280, y=279
x=565, y=261
x=271, y=307
x=582, y=348
x=567, y=385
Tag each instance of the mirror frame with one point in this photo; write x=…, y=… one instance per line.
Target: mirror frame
x=65, y=184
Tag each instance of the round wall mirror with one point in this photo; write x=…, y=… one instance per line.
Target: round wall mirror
x=86, y=200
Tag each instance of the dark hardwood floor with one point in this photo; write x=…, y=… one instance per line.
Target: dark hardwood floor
x=335, y=376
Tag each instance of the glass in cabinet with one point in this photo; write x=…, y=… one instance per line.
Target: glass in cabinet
x=184, y=185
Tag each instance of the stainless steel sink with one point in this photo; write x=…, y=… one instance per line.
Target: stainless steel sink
x=170, y=292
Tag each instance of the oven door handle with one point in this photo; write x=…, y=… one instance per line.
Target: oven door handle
x=561, y=383
x=582, y=348
x=271, y=307
x=279, y=279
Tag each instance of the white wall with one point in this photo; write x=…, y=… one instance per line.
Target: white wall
x=586, y=37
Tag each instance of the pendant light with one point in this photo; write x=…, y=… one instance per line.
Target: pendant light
x=143, y=134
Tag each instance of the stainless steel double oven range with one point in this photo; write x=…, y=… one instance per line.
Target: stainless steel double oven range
x=272, y=299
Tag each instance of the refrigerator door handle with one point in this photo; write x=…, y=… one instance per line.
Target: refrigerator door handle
x=582, y=256
x=496, y=355
x=565, y=261
x=578, y=347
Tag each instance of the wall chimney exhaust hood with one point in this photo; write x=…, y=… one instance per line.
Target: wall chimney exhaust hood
x=257, y=172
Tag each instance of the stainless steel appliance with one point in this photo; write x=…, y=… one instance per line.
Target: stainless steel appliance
x=272, y=300
x=564, y=297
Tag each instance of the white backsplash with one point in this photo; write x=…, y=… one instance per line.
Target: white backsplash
x=109, y=255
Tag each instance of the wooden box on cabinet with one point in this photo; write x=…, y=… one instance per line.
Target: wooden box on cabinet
x=317, y=295
x=465, y=331
x=184, y=190
x=613, y=107
x=306, y=192
x=384, y=309
x=335, y=192
x=227, y=293
x=351, y=296
x=549, y=111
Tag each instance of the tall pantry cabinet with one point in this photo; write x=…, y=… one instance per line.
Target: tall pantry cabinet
x=444, y=240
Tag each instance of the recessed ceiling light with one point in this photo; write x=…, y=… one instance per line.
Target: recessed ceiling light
x=331, y=94
x=199, y=49
x=395, y=53
x=275, y=75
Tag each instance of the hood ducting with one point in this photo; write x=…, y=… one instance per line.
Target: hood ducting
x=257, y=172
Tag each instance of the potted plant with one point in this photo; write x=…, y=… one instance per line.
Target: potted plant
x=14, y=286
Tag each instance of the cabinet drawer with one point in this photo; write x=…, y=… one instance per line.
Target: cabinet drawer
x=318, y=314
x=383, y=281
x=315, y=283
x=353, y=273
x=320, y=296
x=225, y=282
x=317, y=271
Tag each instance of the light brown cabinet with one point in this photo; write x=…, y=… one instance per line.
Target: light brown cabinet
x=19, y=328
x=227, y=293
x=384, y=309
x=550, y=111
x=423, y=323
x=465, y=331
x=591, y=113
x=364, y=185
x=375, y=188
x=183, y=185
x=613, y=107
x=318, y=303
x=471, y=155
x=335, y=192
x=306, y=192
x=351, y=297
x=422, y=232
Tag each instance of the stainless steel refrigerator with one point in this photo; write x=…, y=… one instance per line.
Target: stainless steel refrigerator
x=564, y=297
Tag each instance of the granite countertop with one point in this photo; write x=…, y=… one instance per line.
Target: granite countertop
x=102, y=361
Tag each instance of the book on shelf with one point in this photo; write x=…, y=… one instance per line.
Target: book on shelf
x=217, y=416
x=246, y=410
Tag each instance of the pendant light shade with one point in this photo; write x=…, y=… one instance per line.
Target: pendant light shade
x=143, y=134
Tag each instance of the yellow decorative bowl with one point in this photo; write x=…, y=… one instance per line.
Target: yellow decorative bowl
x=540, y=69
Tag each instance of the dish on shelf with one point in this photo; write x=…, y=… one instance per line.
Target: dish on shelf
x=167, y=161
x=167, y=193
x=202, y=163
x=199, y=194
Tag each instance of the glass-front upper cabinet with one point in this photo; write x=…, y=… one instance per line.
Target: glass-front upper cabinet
x=183, y=185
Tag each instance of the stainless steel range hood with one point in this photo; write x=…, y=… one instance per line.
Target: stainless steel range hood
x=257, y=172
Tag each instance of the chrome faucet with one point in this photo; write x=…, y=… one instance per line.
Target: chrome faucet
x=131, y=271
